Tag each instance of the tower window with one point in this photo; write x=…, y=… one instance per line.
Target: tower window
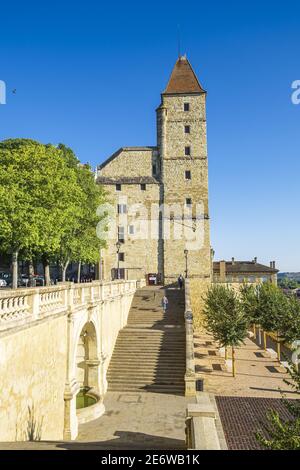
x=187, y=129
x=131, y=229
x=118, y=187
x=188, y=175
x=143, y=187
x=187, y=150
x=188, y=202
x=121, y=234
x=122, y=209
x=121, y=256
x=186, y=106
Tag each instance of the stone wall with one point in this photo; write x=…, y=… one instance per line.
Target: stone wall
x=198, y=289
x=140, y=248
x=33, y=375
x=130, y=162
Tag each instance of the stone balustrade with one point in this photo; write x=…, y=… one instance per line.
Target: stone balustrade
x=24, y=305
x=190, y=374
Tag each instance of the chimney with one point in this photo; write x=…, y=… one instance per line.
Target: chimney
x=271, y=264
x=222, y=271
x=232, y=260
x=255, y=260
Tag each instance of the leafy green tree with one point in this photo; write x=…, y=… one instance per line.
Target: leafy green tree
x=272, y=309
x=225, y=318
x=290, y=322
x=249, y=296
x=81, y=243
x=39, y=196
x=288, y=283
x=279, y=434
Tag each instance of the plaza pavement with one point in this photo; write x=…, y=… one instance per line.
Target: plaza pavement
x=132, y=421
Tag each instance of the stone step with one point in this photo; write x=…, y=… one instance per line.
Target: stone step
x=150, y=388
x=149, y=354
x=155, y=360
x=140, y=378
x=144, y=382
x=152, y=341
x=170, y=357
x=147, y=366
x=150, y=345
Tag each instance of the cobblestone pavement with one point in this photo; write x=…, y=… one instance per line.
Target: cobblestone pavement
x=256, y=373
x=131, y=421
x=242, y=417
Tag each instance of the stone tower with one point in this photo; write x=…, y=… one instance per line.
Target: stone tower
x=182, y=150
x=172, y=176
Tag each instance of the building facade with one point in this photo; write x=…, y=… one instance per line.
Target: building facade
x=252, y=272
x=159, y=195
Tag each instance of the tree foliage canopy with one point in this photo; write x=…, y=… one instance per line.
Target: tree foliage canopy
x=224, y=316
x=48, y=202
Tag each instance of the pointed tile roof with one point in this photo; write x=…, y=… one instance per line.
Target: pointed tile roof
x=183, y=79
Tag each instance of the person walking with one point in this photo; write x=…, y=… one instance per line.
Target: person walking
x=180, y=281
x=164, y=303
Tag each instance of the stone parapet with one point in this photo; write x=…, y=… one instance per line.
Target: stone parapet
x=22, y=306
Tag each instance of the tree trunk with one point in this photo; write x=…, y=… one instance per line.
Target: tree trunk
x=46, y=271
x=233, y=362
x=64, y=271
x=226, y=353
x=254, y=330
x=31, y=274
x=14, y=284
x=265, y=339
x=79, y=272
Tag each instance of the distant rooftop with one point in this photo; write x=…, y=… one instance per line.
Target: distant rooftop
x=244, y=267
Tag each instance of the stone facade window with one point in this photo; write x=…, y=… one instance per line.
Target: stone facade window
x=188, y=202
x=118, y=187
x=121, y=256
x=186, y=106
x=188, y=175
x=187, y=150
x=131, y=229
x=154, y=169
x=143, y=187
x=122, y=209
x=187, y=129
x=121, y=234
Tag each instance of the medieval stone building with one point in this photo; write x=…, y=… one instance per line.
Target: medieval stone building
x=159, y=194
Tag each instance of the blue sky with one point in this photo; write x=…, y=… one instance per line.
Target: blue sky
x=89, y=74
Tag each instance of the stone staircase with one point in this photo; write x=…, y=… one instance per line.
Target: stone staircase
x=149, y=355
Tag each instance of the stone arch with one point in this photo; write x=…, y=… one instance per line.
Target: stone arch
x=86, y=357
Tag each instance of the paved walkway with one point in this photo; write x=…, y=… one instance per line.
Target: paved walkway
x=131, y=421
x=256, y=373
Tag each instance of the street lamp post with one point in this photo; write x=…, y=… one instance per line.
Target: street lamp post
x=186, y=262
x=118, y=245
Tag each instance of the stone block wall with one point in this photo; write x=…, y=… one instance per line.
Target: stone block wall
x=33, y=376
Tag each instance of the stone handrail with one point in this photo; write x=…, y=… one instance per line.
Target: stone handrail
x=190, y=375
x=24, y=305
x=201, y=430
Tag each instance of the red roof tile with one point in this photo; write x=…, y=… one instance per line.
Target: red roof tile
x=183, y=79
